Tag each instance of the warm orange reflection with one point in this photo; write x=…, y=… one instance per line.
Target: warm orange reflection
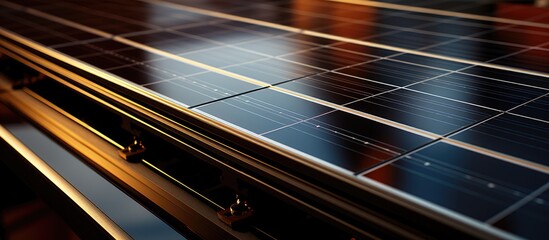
x=336, y=14
x=529, y=35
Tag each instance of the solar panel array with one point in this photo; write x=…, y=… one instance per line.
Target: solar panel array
x=450, y=108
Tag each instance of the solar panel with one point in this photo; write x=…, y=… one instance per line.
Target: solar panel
x=438, y=101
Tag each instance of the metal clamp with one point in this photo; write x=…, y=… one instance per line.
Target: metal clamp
x=237, y=215
x=133, y=152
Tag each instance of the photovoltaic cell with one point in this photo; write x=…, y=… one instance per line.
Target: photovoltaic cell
x=223, y=56
x=510, y=76
x=470, y=183
x=538, y=109
x=258, y=113
x=327, y=58
x=201, y=88
x=364, y=143
x=479, y=91
x=273, y=71
x=474, y=50
x=432, y=62
x=427, y=112
x=336, y=88
x=530, y=220
x=393, y=72
x=517, y=136
x=534, y=59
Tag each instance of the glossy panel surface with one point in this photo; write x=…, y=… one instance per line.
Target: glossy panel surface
x=106, y=61
x=432, y=62
x=273, y=71
x=173, y=66
x=410, y=69
x=526, y=38
x=221, y=34
x=173, y=42
x=474, y=50
x=264, y=110
x=470, y=183
x=335, y=88
x=538, y=109
x=393, y=72
x=410, y=40
x=276, y=46
x=510, y=76
x=328, y=58
x=535, y=60
x=223, y=56
x=514, y=135
x=364, y=49
x=426, y=112
x=142, y=74
x=201, y=88
x=347, y=141
x=456, y=29
x=530, y=220
x=40, y=30
x=479, y=91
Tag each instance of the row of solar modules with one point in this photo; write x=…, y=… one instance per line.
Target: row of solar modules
x=436, y=96
x=498, y=43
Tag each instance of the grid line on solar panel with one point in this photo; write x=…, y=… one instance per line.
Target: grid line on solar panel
x=258, y=113
x=272, y=71
x=223, y=56
x=69, y=23
x=479, y=91
x=533, y=195
x=336, y=88
x=275, y=46
x=480, y=182
x=530, y=220
x=394, y=73
x=513, y=135
x=199, y=90
x=429, y=62
x=45, y=31
x=427, y=112
x=538, y=109
x=365, y=144
x=531, y=59
x=105, y=14
x=326, y=58
x=219, y=33
x=500, y=155
x=507, y=76
x=473, y=50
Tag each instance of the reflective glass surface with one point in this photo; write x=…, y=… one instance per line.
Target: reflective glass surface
x=346, y=140
x=514, y=135
x=375, y=88
x=469, y=183
x=423, y=111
